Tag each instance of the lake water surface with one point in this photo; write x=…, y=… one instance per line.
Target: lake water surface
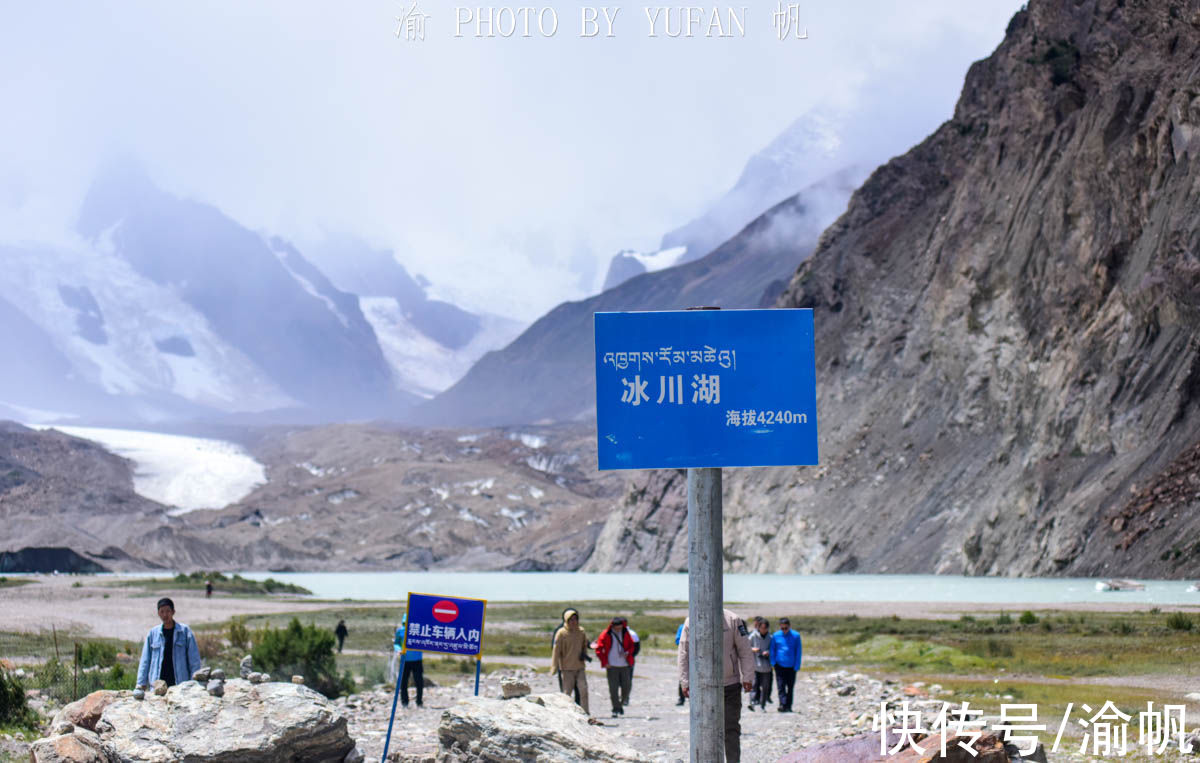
x=578, y=586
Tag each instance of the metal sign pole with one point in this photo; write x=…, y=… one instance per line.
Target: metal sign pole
x=705, y=602
x=395, y=695
x=478, y=665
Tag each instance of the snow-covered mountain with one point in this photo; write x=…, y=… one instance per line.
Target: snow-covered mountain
x=826, y=148
x=161, y=308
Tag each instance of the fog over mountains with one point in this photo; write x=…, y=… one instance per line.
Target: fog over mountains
x=166, y=308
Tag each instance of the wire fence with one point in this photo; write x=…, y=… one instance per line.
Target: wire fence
x=58, y=670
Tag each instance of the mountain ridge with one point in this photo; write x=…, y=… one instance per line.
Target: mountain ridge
x=1006, y=332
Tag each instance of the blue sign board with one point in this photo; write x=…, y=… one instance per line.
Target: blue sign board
x=705, y=388
x=446, y=624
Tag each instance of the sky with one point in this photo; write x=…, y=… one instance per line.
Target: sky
x=507, y=171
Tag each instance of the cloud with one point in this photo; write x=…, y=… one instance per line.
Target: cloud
x=498, y=168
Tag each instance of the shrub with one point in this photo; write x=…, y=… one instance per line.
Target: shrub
x=210, y=645
x=304, y=649
x=13, y=708
x=1004, y=619
x=97, y=653
x=1027, y=618
x=1179, y=621
x=239, y=634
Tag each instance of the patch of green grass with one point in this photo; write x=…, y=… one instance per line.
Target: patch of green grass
x=7, y=582
x=907, y=654
x=226, y=584
x=1063, y=644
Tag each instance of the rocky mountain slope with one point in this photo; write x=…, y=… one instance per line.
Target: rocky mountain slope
x=548, y=373
x=340, y=497
x=60, y=492
x=1007, y=332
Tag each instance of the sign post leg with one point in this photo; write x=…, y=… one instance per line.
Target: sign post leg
x=478, y=664
x=705, y=603
x=392, y=718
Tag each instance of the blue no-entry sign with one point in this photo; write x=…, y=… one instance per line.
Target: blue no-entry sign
x=705, y=388
x=446, y=624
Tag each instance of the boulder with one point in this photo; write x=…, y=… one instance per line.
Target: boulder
x=202, y=675
x=160, y=687
x=264, y=723
x=512, y=688
x=216, y=688
x=541, y=727
x=217, y=674
x=298, y=679
x=80, y=746
x=83, y=713
x=864, y=747
x=247, y=666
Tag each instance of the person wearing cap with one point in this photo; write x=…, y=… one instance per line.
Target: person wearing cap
x=614, y=647
x=739, y=673
x=568, y=658
x=760, y=644
x=170, y=651
x=785, y=657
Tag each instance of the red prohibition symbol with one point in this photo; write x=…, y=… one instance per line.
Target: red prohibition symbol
x=445, y=611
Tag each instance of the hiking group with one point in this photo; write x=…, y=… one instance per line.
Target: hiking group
x=750, y=660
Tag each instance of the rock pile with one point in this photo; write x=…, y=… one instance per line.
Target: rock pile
x=263, y=723
x=541, y=727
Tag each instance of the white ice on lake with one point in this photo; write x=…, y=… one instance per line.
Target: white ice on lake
x=186, y=473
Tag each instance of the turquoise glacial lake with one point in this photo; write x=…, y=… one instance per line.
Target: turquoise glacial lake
x=579, y=586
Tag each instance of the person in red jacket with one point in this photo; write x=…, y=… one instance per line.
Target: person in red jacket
x=615, y=648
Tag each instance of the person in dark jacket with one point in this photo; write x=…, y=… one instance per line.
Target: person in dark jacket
x=614, y=647
x=760, y=645
x=785, y=657
x=341, y=632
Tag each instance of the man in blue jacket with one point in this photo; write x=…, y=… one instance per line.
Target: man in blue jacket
x=413, y=668
x=169, y=652
x=785, y=657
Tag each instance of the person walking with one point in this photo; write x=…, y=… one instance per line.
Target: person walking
x=739, y=675
x=678, y=636
x=208, y=588
x=554, y=638
x=760, y=645
x=169, y=652
x=412, y=668
x=568, y=659
x=614, y=648
x=341, y=634
x=637, y=647
x=785, y=657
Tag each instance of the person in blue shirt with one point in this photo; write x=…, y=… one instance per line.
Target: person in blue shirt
x=169, y=652
x=785, y=657
x=678, y=636
x=413, y=668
